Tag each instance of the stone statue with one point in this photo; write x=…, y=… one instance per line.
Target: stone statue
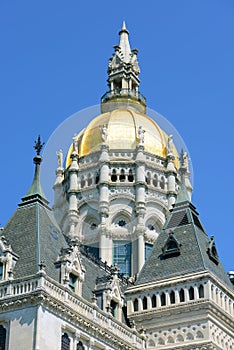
x=75, y=144
x=141, y=137
x=184, y=160
x=60, y=158
x=104, y=133
x=170, y=145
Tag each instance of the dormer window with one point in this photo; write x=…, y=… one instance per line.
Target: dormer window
x=122, y=223
x=171, y=247
x=72, y=282
x=212, y=251
x=93, y=226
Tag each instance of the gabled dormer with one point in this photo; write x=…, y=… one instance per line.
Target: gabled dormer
x=108, y=294
x=171, y=246
x=72, y=271
x=8, y=260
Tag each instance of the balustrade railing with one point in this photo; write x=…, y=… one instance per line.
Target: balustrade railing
x=123, y=93
x=76, y=303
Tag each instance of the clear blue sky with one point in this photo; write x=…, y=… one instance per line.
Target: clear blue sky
x=53, y=62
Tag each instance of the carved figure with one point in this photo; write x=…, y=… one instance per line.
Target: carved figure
x=60, y=158
x=141, y=136
x=75, y=144
x=185, y=160
x=104, y=133
x=170, y=145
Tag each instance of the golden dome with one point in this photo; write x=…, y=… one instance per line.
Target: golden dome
x=122, y=128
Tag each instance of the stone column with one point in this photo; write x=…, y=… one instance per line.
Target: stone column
x=105, y=243
x=72, y=195
x=196, y=293
x=140, y=203
x=171, y=180
x=177, y=297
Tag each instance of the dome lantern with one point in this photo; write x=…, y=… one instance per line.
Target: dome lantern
x=123, y=81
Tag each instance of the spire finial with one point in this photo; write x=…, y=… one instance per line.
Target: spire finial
x=124, y=43
x=38, y=145
x=36, y=190
x=123, y=29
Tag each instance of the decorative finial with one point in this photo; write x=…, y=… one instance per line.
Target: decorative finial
x=38, y=145
x=124, y=28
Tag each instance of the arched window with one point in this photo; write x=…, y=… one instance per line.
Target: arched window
x=135, y=305
x=155, y=180
x=191, y=293
x=148, y=250
x=130, y=176
x=89, y=180
x=65, y=342
x=82, y=182
x=161, y=341
x=181, y=295
x=201, y=291
x=122, y=175
x=179, y=338
x=163, y=299
x=199, y=335
x=1, y=274
x=80, y=346
x=113, y=306
x=144, y=303
x=122, y=253
x=113, y=176
x=97, y=179
x=172, y=297
x=72, y=282
x=2, y=338
x=162, y=182
x=148, y=178
x=153, y=300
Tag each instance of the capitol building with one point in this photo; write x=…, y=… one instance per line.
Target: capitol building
x=120, y=260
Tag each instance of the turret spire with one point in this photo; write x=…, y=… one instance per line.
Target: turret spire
x=35, y=191
x=124, y=43
x=123, y=80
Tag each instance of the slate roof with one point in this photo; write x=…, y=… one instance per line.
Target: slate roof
x=183, y=224
x=34, y=236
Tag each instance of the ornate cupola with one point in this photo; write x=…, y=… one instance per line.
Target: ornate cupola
x=123, y=81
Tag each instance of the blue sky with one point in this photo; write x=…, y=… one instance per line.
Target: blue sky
x=53, y=63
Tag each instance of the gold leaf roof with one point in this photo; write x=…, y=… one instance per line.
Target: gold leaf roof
x=122, y=127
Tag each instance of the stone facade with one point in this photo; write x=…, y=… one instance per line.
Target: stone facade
x=121, y=261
